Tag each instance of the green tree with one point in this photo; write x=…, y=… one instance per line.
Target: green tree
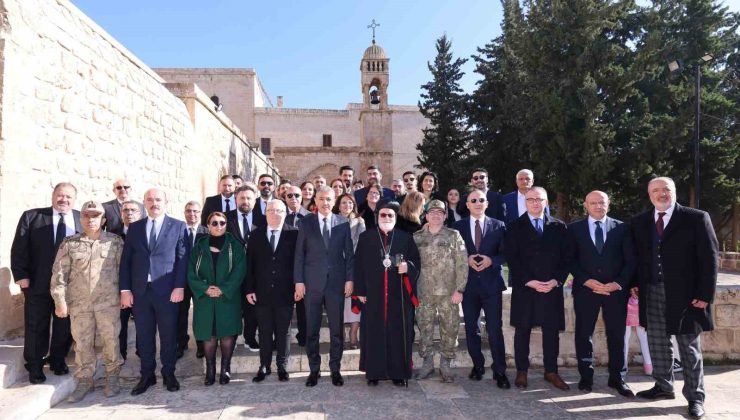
x=446, y=140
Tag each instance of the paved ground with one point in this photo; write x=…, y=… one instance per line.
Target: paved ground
x=423, y=399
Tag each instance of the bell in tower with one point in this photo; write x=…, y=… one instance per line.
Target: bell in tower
x=375, y=74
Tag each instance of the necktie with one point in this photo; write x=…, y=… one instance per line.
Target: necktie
x=660, y=225
x=537, y=226
x=61, y=231
x=599, y=237
x=245, y=227
x=192, y=235
x=272, y=240
x=153, y=235
x=325, y=232
x=228, y=205
x=478, y=235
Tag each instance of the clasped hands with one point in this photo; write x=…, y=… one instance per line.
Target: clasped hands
x=600, y=288
x=542, y=286
x=479, y=262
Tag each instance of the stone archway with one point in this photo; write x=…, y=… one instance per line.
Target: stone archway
x=328, y=170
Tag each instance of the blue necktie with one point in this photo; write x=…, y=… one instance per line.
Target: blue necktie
x=153, y=235
x=537, y=226
x=599, y=237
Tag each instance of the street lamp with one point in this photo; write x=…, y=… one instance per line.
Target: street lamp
x=677, y=66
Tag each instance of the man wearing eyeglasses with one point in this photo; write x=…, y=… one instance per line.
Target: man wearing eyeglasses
x=484, y=238
x=539, y=252
x=223, y=202
x=515, y=201
x=113, y=215
x=266, y=187
x=296, y=212
x=479, y=181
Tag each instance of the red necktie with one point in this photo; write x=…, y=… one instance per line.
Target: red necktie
x=478, y=235
x=659, y=225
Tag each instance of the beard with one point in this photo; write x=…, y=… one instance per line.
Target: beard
x=386, y=227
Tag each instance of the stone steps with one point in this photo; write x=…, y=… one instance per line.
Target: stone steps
x=11, y=362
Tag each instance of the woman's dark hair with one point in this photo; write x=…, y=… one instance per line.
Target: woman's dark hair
x=420, y=181
x=335, y=210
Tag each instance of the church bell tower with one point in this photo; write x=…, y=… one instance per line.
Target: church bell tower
x=375, y=72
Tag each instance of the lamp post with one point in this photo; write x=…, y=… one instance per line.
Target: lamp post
x=677, y=66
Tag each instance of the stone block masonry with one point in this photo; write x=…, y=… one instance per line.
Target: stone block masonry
x=75, y=105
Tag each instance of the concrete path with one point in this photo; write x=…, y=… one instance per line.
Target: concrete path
x=427, y=399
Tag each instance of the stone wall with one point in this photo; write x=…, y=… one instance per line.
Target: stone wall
x=77, y=106
x=729, y=261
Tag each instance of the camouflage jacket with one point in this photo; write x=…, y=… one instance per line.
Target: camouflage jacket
x=444, y=262
x=85, y=272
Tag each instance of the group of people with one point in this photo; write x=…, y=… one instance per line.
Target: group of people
x=381, y=259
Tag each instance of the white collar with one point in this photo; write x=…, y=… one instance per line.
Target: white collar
x=591, y=220
x=668, y=212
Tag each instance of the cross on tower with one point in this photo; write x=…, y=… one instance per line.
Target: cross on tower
x=372, y=26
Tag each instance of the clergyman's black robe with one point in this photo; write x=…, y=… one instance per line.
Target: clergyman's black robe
x=383, y=321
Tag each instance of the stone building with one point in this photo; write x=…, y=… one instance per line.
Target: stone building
x=304, y=142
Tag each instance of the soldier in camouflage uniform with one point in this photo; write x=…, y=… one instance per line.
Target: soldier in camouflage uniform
x=84, y=285
x=444, y=273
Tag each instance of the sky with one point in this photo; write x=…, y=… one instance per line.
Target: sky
x=309, y=52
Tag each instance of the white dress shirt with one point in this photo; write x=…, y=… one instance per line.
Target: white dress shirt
x=232, y=203
x=666, y=216
x=277, y=230
x=521, y=202
x=592, y=228
x=69, y=223
x=328, y=222
x=263, y=204
x=240, y=220
x=482, y=221
x=542, y=221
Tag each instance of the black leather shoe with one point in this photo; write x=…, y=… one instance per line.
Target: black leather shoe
x=372, y=382
x=477, y=373
x=336, y=379
x=501, y=380
x=261, y=374
x=210, y=378
x=696, y=409
x=60, y=369
x=399, y=382
x=143, y=385
x=655, y=393
x=622, y=388
x=36, y=377
x=283, y=375
x=170, y=382
x=586, y=384
x=313, y=378
x=225, y=376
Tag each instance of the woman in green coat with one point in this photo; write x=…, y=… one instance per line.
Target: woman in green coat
x=215, y=272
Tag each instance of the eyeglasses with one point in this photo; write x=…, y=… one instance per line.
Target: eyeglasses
x=477, y=200
x=480, y=177
x=386, y=215
x=266, y=184
x=130, y=210
x=123, y=187
x=217, y=223
x=275, y=211
x=535, y=200
x=292, y=195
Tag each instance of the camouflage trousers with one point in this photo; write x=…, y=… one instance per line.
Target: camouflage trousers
x=449, y=323
x=85, y=325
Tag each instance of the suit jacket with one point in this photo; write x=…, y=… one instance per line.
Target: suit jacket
x=534, y=257
x=113, y=218
x=295, y=219
x=270, y=274
x=689, y=253
x=490, y=280
x=324, y=270
x=496, y=208
x=361, y=195
x=213, y=203
x=232, y=226
x=511, y=204
x=616, y=263
x=32, y=253
x=257, y=216
x=168, y=261
x=199, y=231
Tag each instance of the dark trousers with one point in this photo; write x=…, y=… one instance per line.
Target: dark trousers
x=550, y=348
x=274, y=321
x=123, y=335
x=154, y=314
x=249, y=318
x=38, y=310
x=300, y=316
x=614, y=309
x=473, y=302
x=334, y=304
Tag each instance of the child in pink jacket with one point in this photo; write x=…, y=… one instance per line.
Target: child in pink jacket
x=633, y=320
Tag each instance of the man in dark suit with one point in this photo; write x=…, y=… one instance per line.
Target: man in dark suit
x=241, y=222
x=324, y=261
x=130, y=213
x=373, y=176
x=347, y=175
x=223, y=202
x=152, y=281
x=479, y=181
x=194, y=230
x=266, y=186
x=538, y=252
x=677, y=262
x=602, y=267
x=484, y=239
x=515, y=201
x=38, y=236
x=270, y=286
x=113, y=215
x=296, y=212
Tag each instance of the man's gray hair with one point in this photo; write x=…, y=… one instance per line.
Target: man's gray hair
x=190, y=203
x=324, y=189
x=665, y=179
